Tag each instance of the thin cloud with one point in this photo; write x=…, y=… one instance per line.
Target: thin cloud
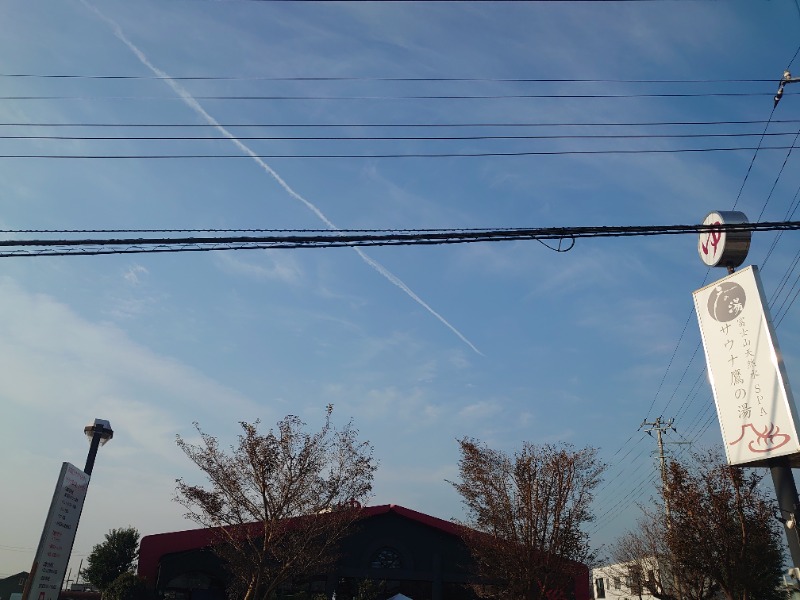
x=479, y=410
x=134, y=274
x=281, y=268
x=189, y=100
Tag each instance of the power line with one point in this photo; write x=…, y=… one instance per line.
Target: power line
x=345, y=238
x=543, y=232
x=600, y=136
x=374, y=79
x=408, y=97
x=410, y=125
x=388, y=155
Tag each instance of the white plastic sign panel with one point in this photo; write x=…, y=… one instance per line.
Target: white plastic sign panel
x=58, y=536
x=755, y=407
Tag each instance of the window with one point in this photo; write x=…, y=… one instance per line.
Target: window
x=617, y=582
x=386, y=558
x=635, y=579
x=601, y=587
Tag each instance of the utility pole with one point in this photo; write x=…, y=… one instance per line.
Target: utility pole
x=660, y=428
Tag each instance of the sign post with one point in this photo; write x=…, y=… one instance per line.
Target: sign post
x=755, y=407
x=58, y=535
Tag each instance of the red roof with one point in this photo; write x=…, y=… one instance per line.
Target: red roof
x=153, y=547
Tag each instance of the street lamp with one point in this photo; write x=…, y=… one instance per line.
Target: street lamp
x=98, y=433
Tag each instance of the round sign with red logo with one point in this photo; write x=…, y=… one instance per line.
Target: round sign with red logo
x=720, y=248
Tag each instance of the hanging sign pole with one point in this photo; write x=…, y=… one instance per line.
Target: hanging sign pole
x=755, y=407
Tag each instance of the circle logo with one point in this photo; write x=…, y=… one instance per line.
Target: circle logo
x=726, y=301
x=719, y=247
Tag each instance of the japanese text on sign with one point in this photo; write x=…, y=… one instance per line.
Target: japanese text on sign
x=55, y=545
x=754, y=403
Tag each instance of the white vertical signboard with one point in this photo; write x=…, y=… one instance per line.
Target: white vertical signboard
x=58, y=535
x=755, y=407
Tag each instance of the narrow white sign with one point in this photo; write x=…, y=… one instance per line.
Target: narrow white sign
x=755, y=407
x=58, y=535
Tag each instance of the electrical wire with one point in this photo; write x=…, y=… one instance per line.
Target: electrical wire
x=345, y=238
x=410, y=125
x=600, y=136
x=373, y=79
x=276, y=97
x=389, y=155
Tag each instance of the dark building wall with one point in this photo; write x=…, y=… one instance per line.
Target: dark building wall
x=12, y=585
x=398, y=549
x=423, y=551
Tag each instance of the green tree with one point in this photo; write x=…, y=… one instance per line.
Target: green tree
x=279, y=502
x=127, y=586
x=116, y=555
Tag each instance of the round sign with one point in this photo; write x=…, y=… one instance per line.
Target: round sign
x=719, y=248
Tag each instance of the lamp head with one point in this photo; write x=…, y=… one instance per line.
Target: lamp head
x=102, y=427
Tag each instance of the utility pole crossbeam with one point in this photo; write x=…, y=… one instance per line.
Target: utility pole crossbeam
x=787, y=78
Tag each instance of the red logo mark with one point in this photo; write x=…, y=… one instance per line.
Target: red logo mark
x=771, y=436
x=714, y=236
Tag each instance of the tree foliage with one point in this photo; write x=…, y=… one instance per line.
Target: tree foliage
x=280, y=502
x=128, y=586
x=721, y=535
x=644, y=560
x=527, y=511
x=116, y=555
x=723, y=524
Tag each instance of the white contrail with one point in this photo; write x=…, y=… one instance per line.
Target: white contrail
x=195, y=106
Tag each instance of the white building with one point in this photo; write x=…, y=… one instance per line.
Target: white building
x=624, y=581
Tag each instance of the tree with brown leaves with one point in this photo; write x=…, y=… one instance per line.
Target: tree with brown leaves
x=527, y=511
x=721, y=535
x=644, y=560
x=279, y=502
x=723, y=525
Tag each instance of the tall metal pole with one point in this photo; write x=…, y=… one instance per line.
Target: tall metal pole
x=786, y=493
x=782, y=476
x=93, y=446
x=99, y=433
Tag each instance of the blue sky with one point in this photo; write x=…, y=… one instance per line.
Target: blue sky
x=504, y=342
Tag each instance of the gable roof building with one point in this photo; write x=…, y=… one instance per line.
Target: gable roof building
x=13, y=584
x=395, y=549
